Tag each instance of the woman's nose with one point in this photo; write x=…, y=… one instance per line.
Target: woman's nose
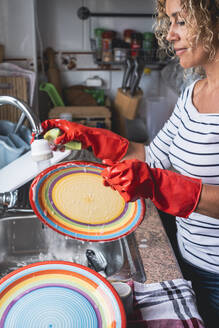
x=172, y=35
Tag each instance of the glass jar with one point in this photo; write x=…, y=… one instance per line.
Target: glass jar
x=107, y=37
x=120, y=50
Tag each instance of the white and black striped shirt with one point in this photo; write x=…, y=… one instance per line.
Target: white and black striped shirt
x=189, y=142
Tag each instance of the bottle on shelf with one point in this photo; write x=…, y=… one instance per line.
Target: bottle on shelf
x=149, y=46
x=136, y=44
x=127, y=36
x=98, y=37
x=107, y=37
x=120, y=50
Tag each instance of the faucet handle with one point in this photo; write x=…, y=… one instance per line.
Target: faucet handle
x=8, y=199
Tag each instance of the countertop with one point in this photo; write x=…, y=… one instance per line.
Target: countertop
x=158, y=258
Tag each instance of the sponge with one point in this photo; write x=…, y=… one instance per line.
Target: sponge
x=52, y=134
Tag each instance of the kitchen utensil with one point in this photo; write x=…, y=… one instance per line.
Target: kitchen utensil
x=128, y=67
x=133, y=73
x=53, y=94
x=71, y=199
x=59, y=294
x=53, y=71
x=96, y=261
x=138, y=71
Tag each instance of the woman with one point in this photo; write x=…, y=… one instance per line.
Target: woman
x=188, y=142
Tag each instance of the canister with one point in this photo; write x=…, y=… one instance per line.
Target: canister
x=107, y=38
x=98, y=36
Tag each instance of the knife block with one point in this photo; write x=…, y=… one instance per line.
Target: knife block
x=125, y=107
x=126, y=104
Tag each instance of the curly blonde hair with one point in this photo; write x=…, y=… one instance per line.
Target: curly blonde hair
x=202, y=18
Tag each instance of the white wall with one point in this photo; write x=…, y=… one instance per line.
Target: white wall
x=17, y=30
x=61, y=29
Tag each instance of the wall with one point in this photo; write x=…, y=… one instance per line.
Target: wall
x=17, y=28
x=56, y=24
x=62, y=29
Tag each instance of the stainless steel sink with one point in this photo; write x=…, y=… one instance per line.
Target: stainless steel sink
x=24, y=239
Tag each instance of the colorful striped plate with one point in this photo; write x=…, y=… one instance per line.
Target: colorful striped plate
x=59, y=294
x=71, y=199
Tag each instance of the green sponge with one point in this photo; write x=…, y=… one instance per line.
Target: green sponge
x=52, y=134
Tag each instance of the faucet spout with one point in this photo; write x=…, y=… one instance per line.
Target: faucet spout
x=26, y=113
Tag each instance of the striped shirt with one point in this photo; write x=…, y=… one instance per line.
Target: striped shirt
x=189, y=142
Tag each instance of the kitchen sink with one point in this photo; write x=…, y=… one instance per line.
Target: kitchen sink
x=24, y=240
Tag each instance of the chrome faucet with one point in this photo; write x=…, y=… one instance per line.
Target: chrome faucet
x=26, y=113
x=8, y=199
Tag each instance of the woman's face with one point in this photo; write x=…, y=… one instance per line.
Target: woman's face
x=189, y=55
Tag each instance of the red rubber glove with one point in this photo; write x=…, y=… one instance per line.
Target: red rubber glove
x=104, y=143
x=170, y=192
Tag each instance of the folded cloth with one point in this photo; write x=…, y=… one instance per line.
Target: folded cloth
x=169, y=304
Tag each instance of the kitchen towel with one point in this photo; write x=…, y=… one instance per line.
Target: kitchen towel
x=169, y=304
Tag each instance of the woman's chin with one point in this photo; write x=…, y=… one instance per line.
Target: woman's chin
x=185, y=64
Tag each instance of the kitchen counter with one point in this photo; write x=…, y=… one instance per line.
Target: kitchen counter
x=158, y=258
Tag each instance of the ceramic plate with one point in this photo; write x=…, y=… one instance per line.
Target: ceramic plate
x=71, y=199
x=59, y=294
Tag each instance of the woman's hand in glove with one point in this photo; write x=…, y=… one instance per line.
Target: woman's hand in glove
x=104, y=143
x=171, y=192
